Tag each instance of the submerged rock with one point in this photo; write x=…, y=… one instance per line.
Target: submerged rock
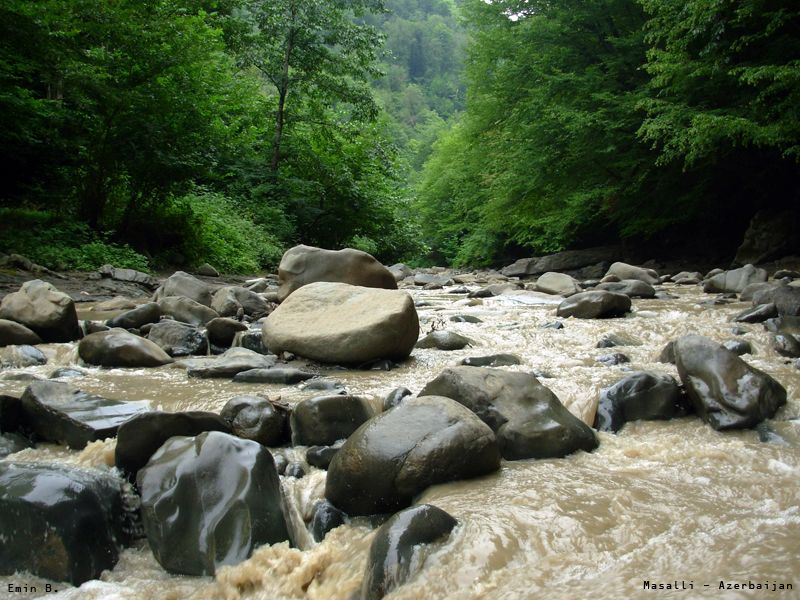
x=527, y=418
x=40, y=307
x=345, y=324
x=303, y=265
x=20, y=357
x=595, y=304
x=492, y=360
x=325, y=419
x=726, y=392
x=139, y=437
x=326, y=518
x=120, y=348
x=11, y=443
x=640, y=396
x=396, y=455
x=398, y=549
x=228, y=364
x=288, y=376
x=59, y=413
x=60, y=523
x=208, y=501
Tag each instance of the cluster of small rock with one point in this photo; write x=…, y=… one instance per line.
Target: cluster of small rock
x=208, y=487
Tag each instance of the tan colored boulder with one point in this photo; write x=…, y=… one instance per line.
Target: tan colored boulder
x=302, y=265
x=40, y=307
x=340, y=323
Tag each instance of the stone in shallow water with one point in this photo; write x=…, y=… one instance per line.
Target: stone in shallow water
x=139, y=437
x=178, y=339
x=398, y=550
x=20, y=357
x=398, y=454
x=120, y=348
x=527, y=418
x=326, y=517
x=256, y=418
x=596, y=304
x=444, y=340
x=209, y=501
x=492, y=360
x=13, y=442
x=228, y=364
x=15, y=334
x=726, y=392
x=40, y=307
x=284, y=375
x=325, y=419
x=640, y=396
x=61, y=523
x=57, y=412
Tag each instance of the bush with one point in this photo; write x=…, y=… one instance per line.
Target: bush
x=60, y=244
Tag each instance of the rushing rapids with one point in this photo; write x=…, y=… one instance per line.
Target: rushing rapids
x=661, y=502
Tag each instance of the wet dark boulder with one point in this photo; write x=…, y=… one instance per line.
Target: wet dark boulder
x=222, y=331
x=325, y=419
x=208, y=501
x=178, y=339
x=16, y=334
x=186, y=310
x=641, y=396
x=61, y=523
x=343, y=324
x=527, y=418
x=120, y=348
x=595, y=304
x=393, y=457
x=139, y=437
x=253, y=340
x=280, y=375
x=738, y=347
x=321, y=456
x=786, y=299
x=302, y=265
x=326, y=517
x=633, y=288
x=256, y=418
x=400, y=546
x=43, y=309
x=57, y=412
x=181, y=284
x=444, y=340
x=13, y=442
x=321, y=384
x=229, y=363
x=492, y=360
x=135, y=318
x=726, y=392
x=465, y=319
x=67, y=373
x=667, y=354
x=233, y=300
x=786, y=344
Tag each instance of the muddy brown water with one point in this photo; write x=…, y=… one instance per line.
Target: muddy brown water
x=660, y=502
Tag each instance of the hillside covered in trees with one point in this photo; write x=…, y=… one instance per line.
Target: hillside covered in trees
x=151, y=132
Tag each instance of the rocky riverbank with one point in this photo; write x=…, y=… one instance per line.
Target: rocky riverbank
x=579, y=357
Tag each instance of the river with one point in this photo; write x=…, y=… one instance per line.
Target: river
x=659, y=503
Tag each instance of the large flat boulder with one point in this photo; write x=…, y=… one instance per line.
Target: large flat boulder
x=120, y=348
x=527, y=418
x=398, y=454
x=302, y=265
x=209, y=501
x=341, y=323
x=57, y=412
x=40, y=307
x=60, y=523
x=726, y=392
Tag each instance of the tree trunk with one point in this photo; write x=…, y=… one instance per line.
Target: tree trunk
x=283, y=92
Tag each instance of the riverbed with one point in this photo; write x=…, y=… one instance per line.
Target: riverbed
x=674, y=503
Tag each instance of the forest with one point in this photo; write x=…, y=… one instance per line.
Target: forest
x=156, y=133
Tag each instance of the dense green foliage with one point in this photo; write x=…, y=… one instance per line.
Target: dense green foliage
x=590, y=121
x=112, y=115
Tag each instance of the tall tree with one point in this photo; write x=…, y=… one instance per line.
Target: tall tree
x=316, y=51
